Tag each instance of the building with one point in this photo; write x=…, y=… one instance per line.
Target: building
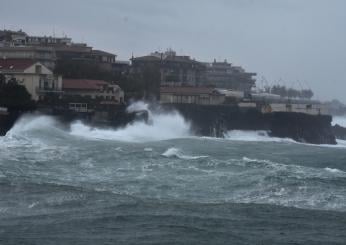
x=224, y=75
x=37, y=78
x=191, y=95
x=174, y=70
x=78, y=51
x=103, y=57
x=10, y=38
x=102, y=91
x=44, y=55
x=48, y=41
x=49, y=50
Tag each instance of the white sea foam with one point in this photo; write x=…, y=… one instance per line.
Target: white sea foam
x=262, y=136
x=256, y=136
x=175, y=152
x=162, y=126
x=334, y=170
x=341, y=120
x=137, y=106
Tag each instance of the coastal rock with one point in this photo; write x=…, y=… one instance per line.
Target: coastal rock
x=339, y=132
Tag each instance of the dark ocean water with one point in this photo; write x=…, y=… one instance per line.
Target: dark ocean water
x=155, y=184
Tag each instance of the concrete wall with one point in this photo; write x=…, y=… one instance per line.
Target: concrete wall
x=311, y=109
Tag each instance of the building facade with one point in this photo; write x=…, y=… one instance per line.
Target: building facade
x=174, y=70
x=99, y=90
x=37, y=78
x=44, y=55
x=224, y=75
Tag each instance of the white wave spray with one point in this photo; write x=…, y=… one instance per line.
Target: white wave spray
x=175, y=152
x=255, y=136
x=163, y=126
x=340, y=120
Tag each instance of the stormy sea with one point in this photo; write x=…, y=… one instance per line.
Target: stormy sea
x=158, y=183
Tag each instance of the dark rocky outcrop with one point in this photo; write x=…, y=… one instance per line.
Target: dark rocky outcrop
x=216, y=120
x=339, y=132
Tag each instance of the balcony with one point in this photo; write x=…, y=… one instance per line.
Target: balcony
x=48, y=90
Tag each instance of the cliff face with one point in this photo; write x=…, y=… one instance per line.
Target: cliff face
x=216, y=120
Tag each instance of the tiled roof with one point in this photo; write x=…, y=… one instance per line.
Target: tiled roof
x=82, y=84
x=16, y=64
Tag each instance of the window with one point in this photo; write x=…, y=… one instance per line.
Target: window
x=38, y=69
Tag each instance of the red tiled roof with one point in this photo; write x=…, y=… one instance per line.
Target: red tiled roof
x=82, y=84
x=188, y=90
x=16, y=64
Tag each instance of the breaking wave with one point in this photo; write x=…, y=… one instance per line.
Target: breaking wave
x=162, y=126
x=33, y=122
x=175, y=152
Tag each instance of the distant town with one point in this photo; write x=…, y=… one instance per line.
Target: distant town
x=61, y=75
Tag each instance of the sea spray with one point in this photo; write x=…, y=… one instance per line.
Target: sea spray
x=175, y=152
x=162, y=126
x=30, y=122
x=254, y=136
x=340, y=120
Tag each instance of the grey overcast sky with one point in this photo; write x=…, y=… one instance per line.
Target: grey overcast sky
x=297, y=43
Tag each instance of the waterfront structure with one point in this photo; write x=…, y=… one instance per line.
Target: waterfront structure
x=224, y=75
x=38, y=79
x=175, y=70
x=102, y=91
x=191, y=95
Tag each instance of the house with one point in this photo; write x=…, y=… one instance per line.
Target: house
x=106, y=93
x=191, y=95
x=37, y=78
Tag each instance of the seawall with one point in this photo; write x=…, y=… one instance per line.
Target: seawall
x=216, y=120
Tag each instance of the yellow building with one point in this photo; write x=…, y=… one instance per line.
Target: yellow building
x=37, y=78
